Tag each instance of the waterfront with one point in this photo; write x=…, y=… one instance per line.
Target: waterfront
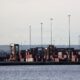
x=41, y=72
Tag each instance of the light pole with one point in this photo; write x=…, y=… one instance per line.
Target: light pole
x=41, y=34
x=21, y=45
x=69, y=32
x=51, y=19
x=69, y=39
x=79, y=42
x=30, y=36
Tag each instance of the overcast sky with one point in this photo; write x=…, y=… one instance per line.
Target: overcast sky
x=17, y=15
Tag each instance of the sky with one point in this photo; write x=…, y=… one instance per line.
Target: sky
x=17, y=15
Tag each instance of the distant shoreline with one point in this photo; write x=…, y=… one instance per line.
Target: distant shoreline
x=24, y=47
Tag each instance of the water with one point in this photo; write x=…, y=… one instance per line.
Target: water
x=46, y=72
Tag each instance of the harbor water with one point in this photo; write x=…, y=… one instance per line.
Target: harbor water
x=40, y=72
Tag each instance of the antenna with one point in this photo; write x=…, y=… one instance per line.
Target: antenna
x=41, y=34
x=51, y=19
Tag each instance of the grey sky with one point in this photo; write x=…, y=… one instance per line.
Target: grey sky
x=17, y=15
